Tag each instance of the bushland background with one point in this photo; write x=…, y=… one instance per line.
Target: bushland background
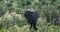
x=12, y=15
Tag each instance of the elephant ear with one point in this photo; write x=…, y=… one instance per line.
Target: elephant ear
x=27, y=14
x=34, y=14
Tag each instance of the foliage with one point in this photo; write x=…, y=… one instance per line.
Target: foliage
x=12, y=21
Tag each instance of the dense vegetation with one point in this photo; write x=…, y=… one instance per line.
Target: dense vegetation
x=12, y=15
